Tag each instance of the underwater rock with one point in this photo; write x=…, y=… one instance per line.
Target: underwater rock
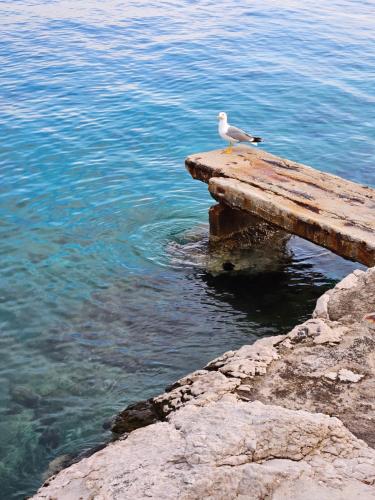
x=25, y=396
x=56, y=465
x=50, y=438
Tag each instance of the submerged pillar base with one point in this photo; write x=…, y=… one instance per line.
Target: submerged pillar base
x=242, y=241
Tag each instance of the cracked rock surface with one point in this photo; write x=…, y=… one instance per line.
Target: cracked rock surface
x=226, y=449
x=256, y=423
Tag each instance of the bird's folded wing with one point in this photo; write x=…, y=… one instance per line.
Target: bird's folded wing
x=238, y=135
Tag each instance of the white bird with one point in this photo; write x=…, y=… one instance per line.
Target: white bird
x=233, y=134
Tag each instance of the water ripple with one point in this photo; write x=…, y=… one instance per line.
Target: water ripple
x=105, y=296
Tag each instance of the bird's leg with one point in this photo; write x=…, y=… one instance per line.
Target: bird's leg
x=229, y=148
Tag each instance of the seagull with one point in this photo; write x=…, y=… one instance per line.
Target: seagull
x=233, y=134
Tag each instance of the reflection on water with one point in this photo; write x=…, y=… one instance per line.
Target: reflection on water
x=105, y=296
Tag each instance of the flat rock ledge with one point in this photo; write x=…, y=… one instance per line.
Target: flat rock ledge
x=288, y=417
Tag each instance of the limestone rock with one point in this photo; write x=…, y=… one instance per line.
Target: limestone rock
x=225, y=450
x=248, y=361
x=317, y=331
x=321, y=309
x=255, y=421
x=135, y=416
x=348, y=376
x=344, y=375
x=199, y=388
x=57, y=464
x=327, y=364
x=301, y=369
x=353, y=297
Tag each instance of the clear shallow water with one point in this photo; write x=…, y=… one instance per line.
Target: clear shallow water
x=103, y=296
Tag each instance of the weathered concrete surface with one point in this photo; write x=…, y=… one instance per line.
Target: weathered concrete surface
x=256, y=423
x=243, y=242
x=232, y=228
x=323, y=208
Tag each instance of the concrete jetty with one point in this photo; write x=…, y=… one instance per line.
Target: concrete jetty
x=330, y=211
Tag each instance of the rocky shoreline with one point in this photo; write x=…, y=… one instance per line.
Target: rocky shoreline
x=290, y=417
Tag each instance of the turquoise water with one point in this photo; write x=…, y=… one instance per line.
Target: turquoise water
x=104, y=297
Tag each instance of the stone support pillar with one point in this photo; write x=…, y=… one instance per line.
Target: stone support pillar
x=231, y=227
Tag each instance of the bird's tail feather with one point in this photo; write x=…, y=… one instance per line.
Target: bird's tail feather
x=257, y=139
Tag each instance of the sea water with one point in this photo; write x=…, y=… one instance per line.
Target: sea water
x=104, y=295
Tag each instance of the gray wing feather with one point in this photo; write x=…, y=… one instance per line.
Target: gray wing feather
x=239, y=135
